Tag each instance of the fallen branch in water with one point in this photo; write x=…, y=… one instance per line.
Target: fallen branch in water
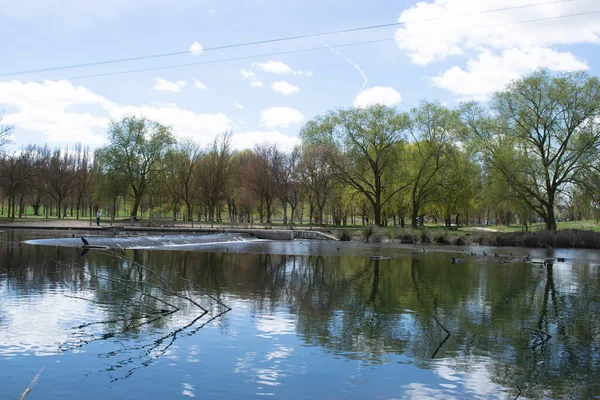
x=541, y=337
x=33, y=382
x=443, y=341
x=518, y=394
x=440, y=324
x=539, y=331
x=205, y=292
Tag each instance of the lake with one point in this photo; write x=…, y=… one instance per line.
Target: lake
x=296, y=320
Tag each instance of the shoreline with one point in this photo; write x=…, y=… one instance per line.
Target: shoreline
x=568, y=238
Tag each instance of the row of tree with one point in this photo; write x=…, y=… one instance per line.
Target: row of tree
x=531, y=151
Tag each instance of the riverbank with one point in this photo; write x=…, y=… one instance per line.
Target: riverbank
x=463, y=236
x=475, y=236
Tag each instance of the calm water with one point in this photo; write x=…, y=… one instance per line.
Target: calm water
x=307, y=321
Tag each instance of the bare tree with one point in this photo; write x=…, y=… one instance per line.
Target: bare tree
x=60, y=174
x=215, y=174
x=258, y=175
x=16, y=171
x=317, y=171
x=5, y=131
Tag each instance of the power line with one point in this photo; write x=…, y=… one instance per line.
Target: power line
x=282, y=39
x=327, y=47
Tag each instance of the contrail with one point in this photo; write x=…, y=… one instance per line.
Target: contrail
x=355, y=65
x=120, y=39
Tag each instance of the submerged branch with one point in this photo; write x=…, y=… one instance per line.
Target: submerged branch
x=33, y=382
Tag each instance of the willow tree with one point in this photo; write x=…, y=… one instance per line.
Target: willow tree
x=369, y=139
x=541, y=133
x=136, y=146
x=432, y=128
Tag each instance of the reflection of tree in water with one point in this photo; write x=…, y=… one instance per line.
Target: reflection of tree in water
x=366, y=309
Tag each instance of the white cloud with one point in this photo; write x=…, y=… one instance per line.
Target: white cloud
x=199, y=85
x=200, y=127
x=385, y=95
x=284, y=87
x=65, y=113
x=43, y=107
x=490, y=72
x=196, y=48
x=280, y=117
x=505, y=50
x=238, y=105
x=254, y=82
x=455, y=34
x=247, y=140
x=168, y=86
x=279, y=67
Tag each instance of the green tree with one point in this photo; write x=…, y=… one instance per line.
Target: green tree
x=541, y=133
x=135, y=149
x=432, y=128
x=369, y=139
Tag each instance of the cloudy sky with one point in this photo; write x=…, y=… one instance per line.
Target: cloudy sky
x=451, y=50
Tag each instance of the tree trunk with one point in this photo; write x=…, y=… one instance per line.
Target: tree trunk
x=551, y=219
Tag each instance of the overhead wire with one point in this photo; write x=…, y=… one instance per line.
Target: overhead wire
x=275, y=40
x=326, y=47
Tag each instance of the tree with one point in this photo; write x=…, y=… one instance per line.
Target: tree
x=214, y=173
x=259, y=177
x=187, y=171
x=369, y=139
x=60, y=174
x=432, y=127
x=136, y=147
x=5, y=131
x=316, y=173
x=16, y=172
x=542, y=134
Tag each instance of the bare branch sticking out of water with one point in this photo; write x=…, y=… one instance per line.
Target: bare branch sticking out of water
x=441, y=326
x=205, y=292
x=131, y=358
x=518, y=394
x=539, y=331
x=443, y=341
x=33, y=382
x=541, y=337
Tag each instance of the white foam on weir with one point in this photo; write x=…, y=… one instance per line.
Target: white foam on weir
x=193, y=244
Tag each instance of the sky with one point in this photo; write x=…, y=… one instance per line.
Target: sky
x=444, y=50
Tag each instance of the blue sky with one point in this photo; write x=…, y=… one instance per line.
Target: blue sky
x=449, y=50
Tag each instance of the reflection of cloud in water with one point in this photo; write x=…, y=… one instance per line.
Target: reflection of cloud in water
x=422, y=392
x=273, y=325
x=279, y=352
x=193, y=352
x=243, y=365
x=39, y=324
x=265, y=369
x=472, y=373
x=188, y=390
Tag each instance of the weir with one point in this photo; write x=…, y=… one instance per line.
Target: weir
x=146, y=242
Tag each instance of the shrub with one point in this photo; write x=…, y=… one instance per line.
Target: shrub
x=345, y=237
x=459, y=241
x=425, y=238
x=367, y=233
x=441, y=239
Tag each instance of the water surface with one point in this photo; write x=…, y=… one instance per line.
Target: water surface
x=296, y=320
